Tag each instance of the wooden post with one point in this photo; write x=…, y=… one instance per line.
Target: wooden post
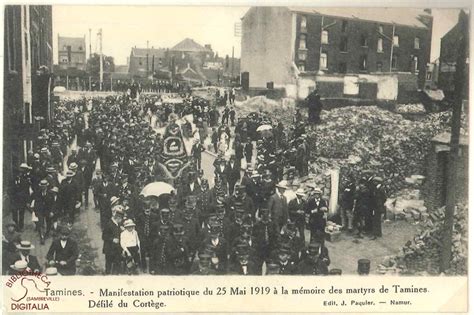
x=459, y=84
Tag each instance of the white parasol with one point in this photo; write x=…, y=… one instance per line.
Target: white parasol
x=157, y=189
x=264, y=127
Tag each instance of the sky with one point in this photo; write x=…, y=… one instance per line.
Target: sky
x=124, y=27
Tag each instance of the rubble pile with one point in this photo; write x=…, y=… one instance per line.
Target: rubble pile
x=410, y=109
x=368, y=138
x=282, y=110
x=422, y=254
x=407, y=204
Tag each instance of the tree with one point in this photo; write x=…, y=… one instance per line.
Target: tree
x=93, y=65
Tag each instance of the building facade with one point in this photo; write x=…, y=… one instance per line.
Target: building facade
x=450, y=43
x=280, y=44
x=28, y=59
x=144, y=61
x=72, y=53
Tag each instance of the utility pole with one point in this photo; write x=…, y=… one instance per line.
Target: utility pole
x=232, y=65
x=101, y=60
x=391, y=47
x=459, y=87
x=90, y=43
x=26, y=73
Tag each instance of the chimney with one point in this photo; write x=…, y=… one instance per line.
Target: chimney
x=208, y=46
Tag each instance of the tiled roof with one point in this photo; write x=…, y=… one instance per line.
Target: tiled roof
x=397, y=16
x=142, y=52
x=189, y=45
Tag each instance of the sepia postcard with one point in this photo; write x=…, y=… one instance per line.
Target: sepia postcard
x=253, y=158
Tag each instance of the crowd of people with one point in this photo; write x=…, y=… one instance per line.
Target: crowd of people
x=242, y=222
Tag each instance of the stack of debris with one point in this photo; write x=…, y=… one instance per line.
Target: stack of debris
x=421, y=256
x=372, y=139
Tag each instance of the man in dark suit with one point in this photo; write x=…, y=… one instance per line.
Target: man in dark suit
x=232, y=173
x=379, y=199
x=145, y=222
x=316, y=261
x=69, y=196
x=196, y=153
x=111, y=238
x=40, y=205
x=296, y=208
x=219, y=248
x=21, y=195
x=278, y=206
x=316, y=209
x=63, y=253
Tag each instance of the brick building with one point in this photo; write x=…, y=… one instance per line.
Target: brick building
x=28, y=59
x=144, y=61
x=448, y=54
x=283, y=44
x=72, y=53
x=434, y=188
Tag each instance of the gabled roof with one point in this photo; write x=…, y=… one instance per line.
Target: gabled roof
x=142, y=52
x=74, y=42
x=189, y=45
x=397, y=16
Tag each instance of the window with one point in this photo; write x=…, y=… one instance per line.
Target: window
x=303, y=23
x=343, y=44
x=323, y=61
x=380, y=45
x=415, y=64
x=80, y=47
x=344, y=26
x=363, y=63
x=140, y=61
x=429, y=75
x=302, y=55
x=380, y=28
x=417, y=43
x=64, y=47
x=395, y=40
x=363, y=41
x=394, y=61
x=324, y=37
x=183, y=56
x=342, y=67
x=64, y=59
x=301, y=67
x=379, y=66
x=302, y=42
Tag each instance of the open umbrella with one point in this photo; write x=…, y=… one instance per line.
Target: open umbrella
x=264, y=127
x=157, y=189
